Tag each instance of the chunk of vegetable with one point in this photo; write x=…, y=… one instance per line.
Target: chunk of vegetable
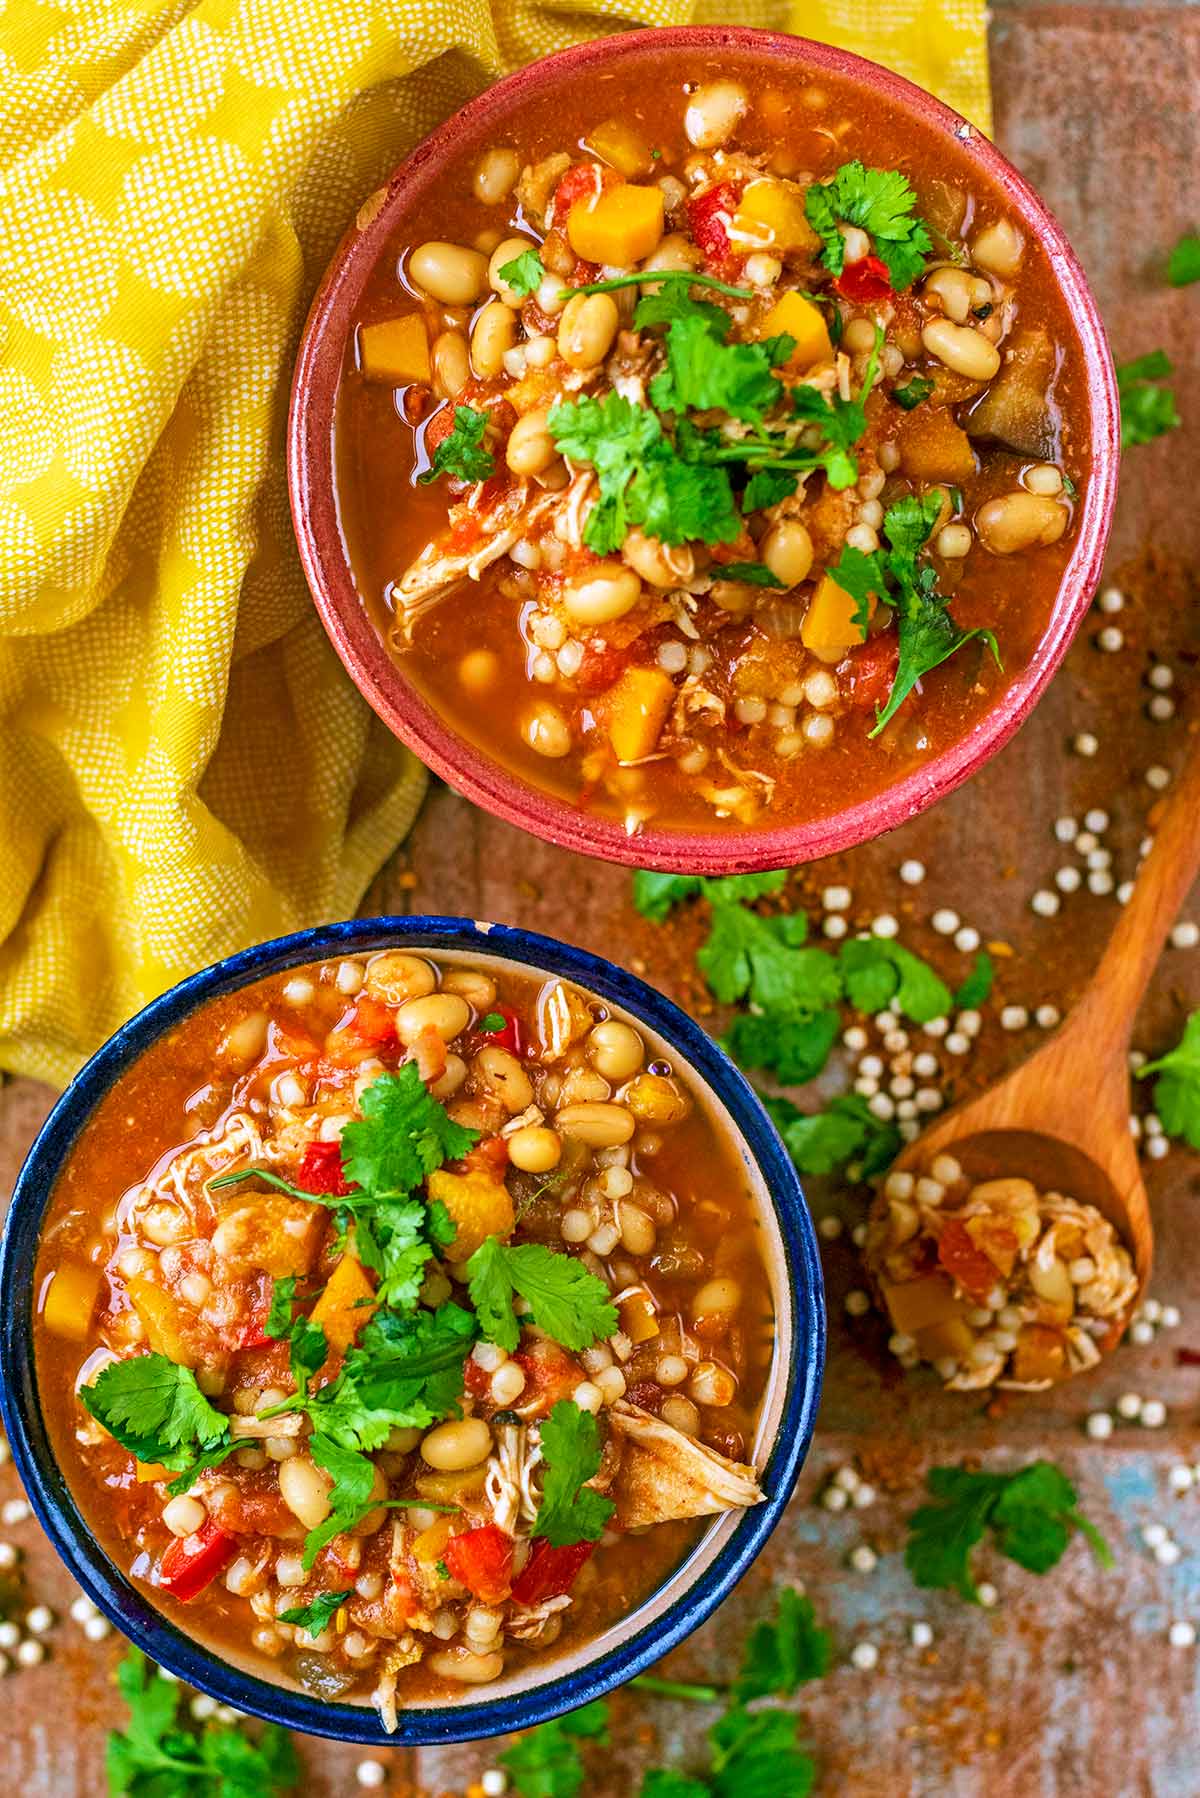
x=639, y=1321
x=191, y=1563
x=623, y=225
x=1017, y=409
x=479, y=1206
x=150, y=1473
x=622, y=146
x=771, y=217
x=636, y=710
x=161, y=1320
x=70, y=1299
x=799, y=318
x=950, y=1339
x=915, y=1304
x=427, y=1549
x=346, y=1304
x=270, y=1231
x=481, y=1560
x=550, y=1571
x=933, y=448
x=395, y=350
x=997, y=1238
x=829, y=624
x=1040, y=1354
x=969, y=1268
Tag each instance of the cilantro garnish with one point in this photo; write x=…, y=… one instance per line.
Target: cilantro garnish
x=461, y=453
x=1147, y=411
x=402, y=1135
x=881, y=974
x=767, y=486
x=546, y=1762
x=917, y=389
x=570, y=1510
x=405, y=1372
x=660, y=277
x=1032, y=1515
x=524, y=274
x=279, y=1317
x=313, y=1617
x=1184, y=266
x=705, y=373
x=977, y=987
x=492, y=1023
x=880, y=202
x=564, y=1299
x=846, y=1130
x=157, y=1411
x=785, y=1652
x=1177, y=1089
x=755, y=574
x=655, y=894
x=155, y=1756
x=350, y=1496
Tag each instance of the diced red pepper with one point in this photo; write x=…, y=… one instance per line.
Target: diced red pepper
x=602, y=666
x=966, y=1264
x=550, y=1571
x=374, y=1021
x=191, y=1563
x=253, y=1333
x=510, y=1037
x=872, y=671
x=864, y=281
x=582, y=181
x=490, y=1157
x=439, y=427
x=708, y=229
x=481, y=1560
x=550, y=1375
x=476, y=1379
x=320, y=1170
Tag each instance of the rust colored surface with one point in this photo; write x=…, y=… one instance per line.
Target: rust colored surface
x=1068, y=1688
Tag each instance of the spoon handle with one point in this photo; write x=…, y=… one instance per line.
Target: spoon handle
x=1166, y=877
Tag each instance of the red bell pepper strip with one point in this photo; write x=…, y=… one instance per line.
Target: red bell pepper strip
x=709, y=231
x=481, y=1560
x=550, y=1571
x=873, y=670
x=865, y=280
x=191, y=1563
x=320, y=1170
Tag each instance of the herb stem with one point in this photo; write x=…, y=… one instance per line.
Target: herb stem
x=656, y=276
x=676, y=1688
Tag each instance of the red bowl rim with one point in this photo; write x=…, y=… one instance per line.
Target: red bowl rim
x=461, y=763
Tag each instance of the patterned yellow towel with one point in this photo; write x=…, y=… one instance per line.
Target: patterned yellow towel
x=183, y=765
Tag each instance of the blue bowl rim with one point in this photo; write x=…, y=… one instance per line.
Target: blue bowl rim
x=125, y=1606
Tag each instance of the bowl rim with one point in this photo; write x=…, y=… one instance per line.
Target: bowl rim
x=489, y=783
x=126, y=1605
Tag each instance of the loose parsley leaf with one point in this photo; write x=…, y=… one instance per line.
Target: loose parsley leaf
x=1147, y=411
x=402, y=1136
x=156, y=1757
x=524, y=274
x=1032, y=1514
x=704, y=373
x=760, y=959
x=570, y=1510
x=675, y=302
x=564, y=1299
x=880, y=972
x=1184, y=266
x=767, y=487
x=755, y=574
x=794, y=1045
x=977, y=987
x=321, y=1610
x=156, y=1410
x=883, y=204
x=1177, y=1089
x=279, y=1317
x=406, y=1372
x=461, y=453
x=847, y=1130
x=759, y=1752
x=783, y=1655
x=664, y=1782
x=655, y=894
x=546, y=1763
x=916, y=390
x=350, y=1496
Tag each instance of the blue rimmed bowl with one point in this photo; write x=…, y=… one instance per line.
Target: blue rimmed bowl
x=719, y=1558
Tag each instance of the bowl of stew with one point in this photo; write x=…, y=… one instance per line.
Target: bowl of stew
x=702, y=451
x=415, y=1329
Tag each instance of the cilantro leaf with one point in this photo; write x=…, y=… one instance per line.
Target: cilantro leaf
x=279, y=1317
x=402, y=1136
x=524, y=274
x=755, y=574
x=391, y=1239
x=664, y=1782
x=156, y=1410
x=782, y=1655
x=977, y=987
x=1177, y=1089
x=727, y=888
x=794, y=1045
x=565, y=1300
x=570, y=1510
x=406, y=1372
x=675, y=302
x=461, y=452
x=654, y=895
x=350, y=1496
x=1147, y=411
x=862, y=576
x=1184, y=266
x=847, y=1130
x=913, y=393
x=880, y=972
x=156, y=1757
x=546, y=1763
x=759, y=1752
x=767, y=487
x=883, y=204
x=1032, y=1514
x=313, y=1617
x=705, y=374
x=309, y=1349
x=748, y=956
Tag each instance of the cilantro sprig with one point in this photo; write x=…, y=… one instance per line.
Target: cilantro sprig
x=1031, y=1515
x=571, y=1511
x=155, y=1756
x=461, y=452
x=546, y=1762
x=1177, y=1088
x=524, y=274
x=564, y=1299
x=1184, y=265
x=321, y=1610
x=157, y=1411
x=1147, y=410
x=881, y=203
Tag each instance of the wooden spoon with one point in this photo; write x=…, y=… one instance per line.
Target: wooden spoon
x=1061, y=1119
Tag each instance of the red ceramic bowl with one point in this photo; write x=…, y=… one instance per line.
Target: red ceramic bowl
x=404, y=709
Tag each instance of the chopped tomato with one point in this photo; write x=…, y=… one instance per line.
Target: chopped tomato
x=550, y=1374
x=481, y=1560
x=510, y=1037
x=439, y=426
x=320, y=1170
x=602, y=666
x=253, y=1331
x=190, y=1563
x=709, y=230
x=967, y=1265
x=550, y=1571
x=476, y=1379
x=582, y=181
x=372, y=1020
x=872, y=671
x=465, y=532
x=488, y=1157
x=864, y=281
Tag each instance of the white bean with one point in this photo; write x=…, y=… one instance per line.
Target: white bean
x=449, y=272
x=713, y=113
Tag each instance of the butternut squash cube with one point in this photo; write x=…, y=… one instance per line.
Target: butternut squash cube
x=636, y=709
x=161, y=1321
x=346, y=1304
x=70, y=1299
x=270, y=1231
x=771, y=215
x=150, y=1473
x=622, y=146
x=639, y=1320
x=829, y=624
x=933, y=448
x=395, y=350
x=480, y=1207
x=951, y=1339
x=916, y=1304
x=797, y=317
x=619, y=226
x=1040, y=1354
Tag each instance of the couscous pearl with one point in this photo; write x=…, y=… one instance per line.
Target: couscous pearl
x=1086, y=841
x=494, y=1783
x=926, y=1064
x=895, y=1042
x=15, y=1510
x=1085, y=744
x=1124, y=892
x=855, y=1038
x=864, y=1494
x=936, y=1027
x=1181, y=1478
x=1185, y=935
x=1166, y=1554
x=202, y=1707
x=40, y=1619
x=672, y=658
x=1099, y=858
x=835, y=926
x=1153, y=1534
x=1097, y=819
x=1157, y=778
x=834, y=1499
x=371, y=1774
x=847, y=1478
x=872, y=1065
x=97, y=1628
x=987, y=1594
x=1158, y=1148
x=830, y=1228
x=1110, y=639
x=858, y=1303
x=836, y=899
x=946, y=1170
x=957, y=1043
x=1154, y=1414
x=1111, y=600
x=30, y=1653
x=1129, y=1406
x=1161, y=708
x=864, y=1656
x=1014, y=1017
x=9, y=1556
x=1182, y=1634
x=1067, y=880
x=863, y=1558
x=81, y=1610
x=1045, y=903
x=1100, y=882
x=1152, y=1311
x=1171, y=1317
x=1099, y=1426
x=866, y=1086
x=912, y=873
x=1161, y=676
x=966, y=939
x=920, y=1635
x=885, y=925
x=945, y=921
x=881, y=1106
x=1047, y=1016
x=1141, y=1333
x=1066, y=830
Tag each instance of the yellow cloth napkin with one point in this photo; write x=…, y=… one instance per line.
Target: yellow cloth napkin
x=184, y=767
